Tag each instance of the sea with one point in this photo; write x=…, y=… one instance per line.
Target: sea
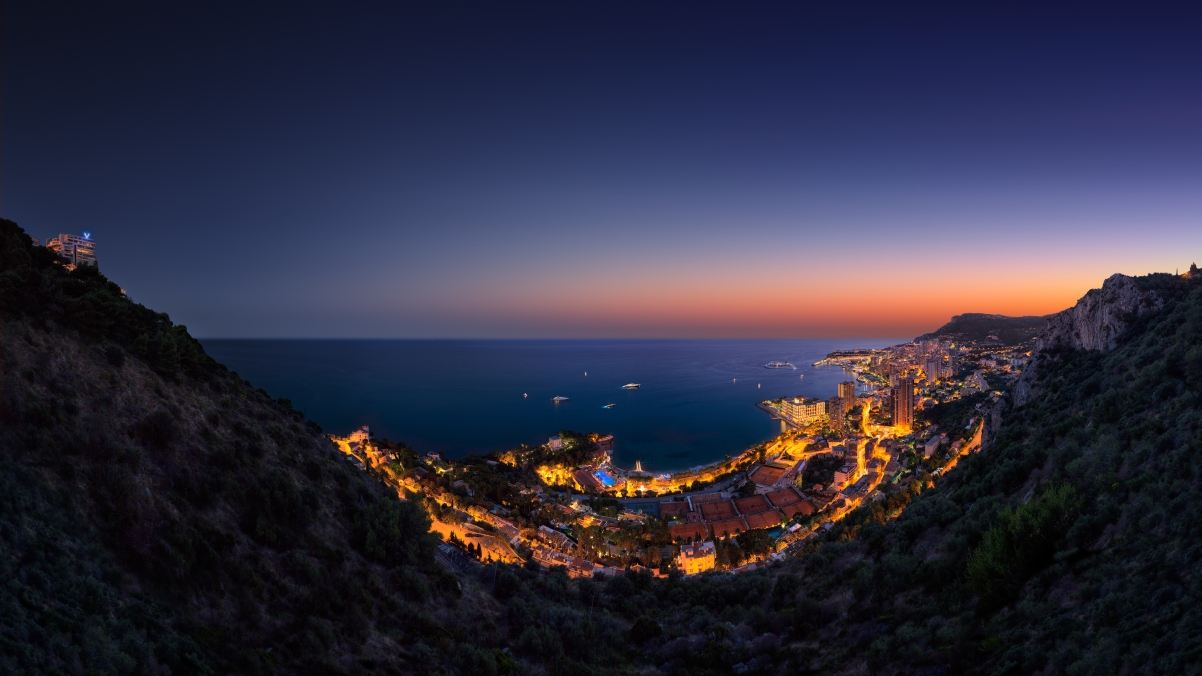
x=696, y=402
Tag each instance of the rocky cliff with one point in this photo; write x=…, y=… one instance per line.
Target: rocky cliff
x=1096, y=322
x=1099, y=318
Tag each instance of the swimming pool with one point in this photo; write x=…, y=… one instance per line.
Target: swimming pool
x=605, y=479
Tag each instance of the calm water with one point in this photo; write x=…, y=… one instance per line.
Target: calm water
x=459, y=397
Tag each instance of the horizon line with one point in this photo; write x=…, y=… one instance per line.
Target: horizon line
x=580, y=338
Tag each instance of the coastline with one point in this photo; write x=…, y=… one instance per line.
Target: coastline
x=691, y=411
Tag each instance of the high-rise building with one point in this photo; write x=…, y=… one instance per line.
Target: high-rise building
x=903, y=404
x=933, y=368
x=847, y=392
x=74, y=250
x=835, y=407
x=950, y=368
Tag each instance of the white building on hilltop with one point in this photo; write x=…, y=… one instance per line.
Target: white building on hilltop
x=74, y=250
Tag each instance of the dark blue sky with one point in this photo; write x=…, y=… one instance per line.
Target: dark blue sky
x=619, y=170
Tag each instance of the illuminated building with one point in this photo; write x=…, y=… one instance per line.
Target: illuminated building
x=74, y=250
x=360, y=435
x=903, y=404
x=804, y=410
x=836, y=409
x=950, y=368
x=933, y=368
x=697, y=557
x=847, y=392
x=896, y=372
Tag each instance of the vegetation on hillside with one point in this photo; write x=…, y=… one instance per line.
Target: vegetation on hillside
x=159, y=515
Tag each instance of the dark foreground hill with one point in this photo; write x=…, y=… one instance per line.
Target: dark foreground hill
x=974, y=326
x=160, y=516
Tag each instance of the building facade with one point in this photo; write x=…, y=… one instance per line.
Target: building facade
x=951, y=367
x=933, y=368
x=804, y=410
x=74, y=250
x=835, y=407
x=697, y=557
x=903, y=404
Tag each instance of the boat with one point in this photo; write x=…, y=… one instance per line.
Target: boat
x=523, y=395
x=559, y=398
x=608, y=406
x=631, y=386
x=779, y=365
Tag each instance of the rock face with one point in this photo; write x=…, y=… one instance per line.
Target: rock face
x=1099, y=318
x=1095, y=323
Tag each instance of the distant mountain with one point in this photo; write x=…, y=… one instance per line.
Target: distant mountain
x=978, y=327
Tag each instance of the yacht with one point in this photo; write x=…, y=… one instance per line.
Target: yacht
x=559, y=398
x=608, y=406
x=779, y=365
x=631, y=386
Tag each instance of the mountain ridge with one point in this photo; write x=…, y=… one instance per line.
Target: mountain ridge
x=977, y=327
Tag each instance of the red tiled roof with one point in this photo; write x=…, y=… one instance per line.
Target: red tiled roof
x=586, y=480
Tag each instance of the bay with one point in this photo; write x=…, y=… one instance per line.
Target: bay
x=696, y=403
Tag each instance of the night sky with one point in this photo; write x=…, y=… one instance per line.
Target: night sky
x=605, y=170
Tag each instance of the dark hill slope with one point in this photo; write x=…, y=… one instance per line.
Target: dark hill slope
x=1071, y=544
x=978, y=327
x=159, y=515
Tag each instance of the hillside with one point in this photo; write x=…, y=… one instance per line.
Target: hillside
x=1068, y=545
x=159, y=515
x=972, y=326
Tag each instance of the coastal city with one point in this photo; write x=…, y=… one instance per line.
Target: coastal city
x=446, y=339
x=904, y=415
